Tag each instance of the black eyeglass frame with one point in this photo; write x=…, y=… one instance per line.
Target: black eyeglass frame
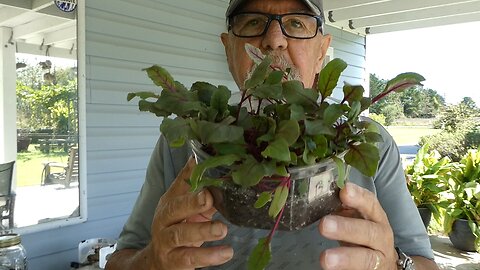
x=278, y=18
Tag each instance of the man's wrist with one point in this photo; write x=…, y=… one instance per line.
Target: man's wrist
x=404, y=262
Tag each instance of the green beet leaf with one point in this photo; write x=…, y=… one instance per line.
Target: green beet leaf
x=316, y=127
x=229, y=148
x=297, y=112
x=209, y=132
x=249, y=173
x=204, y=91
x=147, y=106
x=176, y=131
x=288, y=130
x=261, y=255
x=404, y=81
x=219, y=101
x=329, y=76
x=206, y=182
x=259, y=74
x=332, y=113
x=321, y=146
x=161, y=77
x=180, y=103
x=278, y=149
x=352, y=93
x=263, y=199
x=211, y=162
x=355, y=110
x=363, y=157
x=373, y=137
x=275, y=77
x=341, y=172
x=279, y=199
x=267, y=91
x=294, y=93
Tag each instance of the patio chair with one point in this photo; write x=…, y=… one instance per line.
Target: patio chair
x=62, y=173
x=7, y=196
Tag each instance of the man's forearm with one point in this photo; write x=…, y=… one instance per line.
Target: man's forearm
x=127, y=259
x=422, y=263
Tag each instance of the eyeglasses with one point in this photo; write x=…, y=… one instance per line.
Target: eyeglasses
x=293, y=25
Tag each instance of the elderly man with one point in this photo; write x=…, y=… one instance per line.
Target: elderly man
x=171, y=228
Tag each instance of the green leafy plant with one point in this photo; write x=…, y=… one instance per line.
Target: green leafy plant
x=428, y=178
x=465, y=188
x=276, y=125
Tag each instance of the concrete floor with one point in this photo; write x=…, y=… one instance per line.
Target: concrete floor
x=448, y=257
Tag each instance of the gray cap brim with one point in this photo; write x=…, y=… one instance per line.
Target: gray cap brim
x=314, y=5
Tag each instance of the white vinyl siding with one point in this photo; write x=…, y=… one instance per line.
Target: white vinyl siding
x=122, y=38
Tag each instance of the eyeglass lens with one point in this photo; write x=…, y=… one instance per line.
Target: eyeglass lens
x=294, y=25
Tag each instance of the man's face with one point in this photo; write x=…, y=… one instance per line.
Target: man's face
x=304, y=55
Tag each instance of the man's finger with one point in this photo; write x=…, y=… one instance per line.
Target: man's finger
x=177, y=209
x=188, y=234
x=179, y=185
x=203, y=217
x=354, y=258
x=189, y=258
x=364, y=201
x=354, y=231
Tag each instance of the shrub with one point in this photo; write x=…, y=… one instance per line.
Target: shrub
x=380, y=118
x=448, y=144
x=472, y=139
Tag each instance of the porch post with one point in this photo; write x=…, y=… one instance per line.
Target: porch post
x=8, y=98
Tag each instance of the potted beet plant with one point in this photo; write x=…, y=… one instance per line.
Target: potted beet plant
x=277, y=158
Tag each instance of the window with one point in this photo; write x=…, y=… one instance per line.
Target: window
x=43, y=131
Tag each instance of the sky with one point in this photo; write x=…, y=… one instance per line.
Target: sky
x=447, y=56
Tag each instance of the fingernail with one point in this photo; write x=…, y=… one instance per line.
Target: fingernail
x=201, y=198
x=217, y=229
x=329, y=225
x=351, y=191
x=332, y=259
x=226, y=253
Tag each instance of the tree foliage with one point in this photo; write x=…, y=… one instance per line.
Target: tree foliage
x=47, y=104
x=415, y=102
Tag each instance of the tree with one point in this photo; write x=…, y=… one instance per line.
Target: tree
x=421, y=103
x=390, y=106
x=469, y=105
x=47, y=104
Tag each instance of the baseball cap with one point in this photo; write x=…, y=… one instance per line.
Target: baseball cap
x=314, y=5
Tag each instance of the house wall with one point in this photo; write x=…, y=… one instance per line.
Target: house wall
x=122, y=37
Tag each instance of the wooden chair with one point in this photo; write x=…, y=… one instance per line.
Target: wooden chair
x=7, y=196
x=68, y=171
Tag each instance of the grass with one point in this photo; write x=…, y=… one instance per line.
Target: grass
x=29, y=164
x=410, y=135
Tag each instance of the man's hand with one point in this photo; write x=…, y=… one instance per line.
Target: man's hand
x=182, y=224
x=363, y=229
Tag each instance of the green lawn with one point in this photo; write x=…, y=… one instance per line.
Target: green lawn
x=29, y=165
x=410, y=135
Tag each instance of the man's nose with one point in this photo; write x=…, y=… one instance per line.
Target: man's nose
x=274, y=38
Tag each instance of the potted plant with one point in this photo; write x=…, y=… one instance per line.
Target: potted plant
x=462, y=219
x=281, y=152
x=427, y=181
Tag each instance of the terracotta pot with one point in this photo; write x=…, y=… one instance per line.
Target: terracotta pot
x=461, y=235
x=313, y=194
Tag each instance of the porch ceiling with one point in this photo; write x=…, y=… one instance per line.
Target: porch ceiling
x=380, y=16
x=39, y=27
x=37, y=22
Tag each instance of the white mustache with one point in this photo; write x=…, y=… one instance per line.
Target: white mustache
x=281, y=62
